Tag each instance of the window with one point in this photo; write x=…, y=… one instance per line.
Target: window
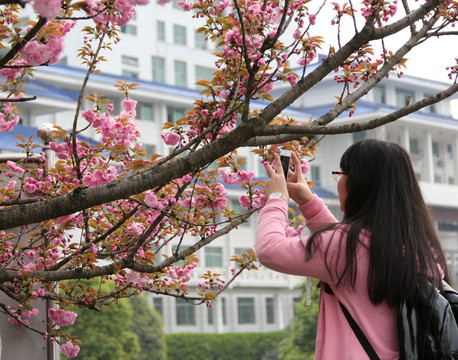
x=449, y=151
x=436, y=150
x=210, y=316
x=186, y=312
x=201, y=41
x=270, y=318
x=213, y=256
x=129, y=29
x=158, y=69
x=239, y=251
x=130, y=73
x=174, y=114
x=447, y=226
x=296, y=300
x=245, y=308
x=414, y=146
x=315, y=171
x=150, y=151
x=179, y=34
x=129, y=60
x=145, y=111
x=223, y=305
x=404, y=97
x=158, y=305
x=160, y=28
x=378, y=93
x=203, y=73
x=180, y=73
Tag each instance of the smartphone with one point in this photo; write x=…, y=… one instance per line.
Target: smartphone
x=285, y=158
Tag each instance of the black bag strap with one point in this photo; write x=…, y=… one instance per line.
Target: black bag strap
x=356, y=329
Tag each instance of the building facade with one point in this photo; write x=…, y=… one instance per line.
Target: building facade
x=162, y=52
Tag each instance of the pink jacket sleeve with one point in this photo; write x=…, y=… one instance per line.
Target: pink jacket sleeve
x=287, y=255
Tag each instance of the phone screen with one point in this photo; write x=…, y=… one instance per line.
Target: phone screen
x=285, y=158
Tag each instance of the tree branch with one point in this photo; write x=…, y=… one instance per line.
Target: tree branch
x=17, y=100
x=283, y=133
x=59, y=275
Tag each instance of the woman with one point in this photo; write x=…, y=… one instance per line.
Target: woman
x=371, y=260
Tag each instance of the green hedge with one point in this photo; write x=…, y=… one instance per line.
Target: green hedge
x=231, y=346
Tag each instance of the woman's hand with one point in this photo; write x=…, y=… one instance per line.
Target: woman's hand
x=297, y=186
x=276, y=181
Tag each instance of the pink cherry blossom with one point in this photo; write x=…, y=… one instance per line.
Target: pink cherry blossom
x=185, y=6
x=171, y=139
x=133, y=277
x=12, y=73
x=47, y=8
x=292, y=79
x=69, y=350
x=14, y=167
x=62, y=317
x=8, y=120
x=305, y=166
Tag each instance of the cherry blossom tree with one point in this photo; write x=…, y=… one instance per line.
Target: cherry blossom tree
x=103, y=211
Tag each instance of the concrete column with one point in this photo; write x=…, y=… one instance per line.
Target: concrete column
x=455, y=158
x=218, y=315
x=161, y=112
x=429, y=157
x=381, y=132
x=279, y=306
x=405, y=139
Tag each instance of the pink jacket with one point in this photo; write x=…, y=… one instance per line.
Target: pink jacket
x=335, y=338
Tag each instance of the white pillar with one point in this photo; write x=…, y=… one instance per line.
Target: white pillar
x=279, y=306
x=429, y=157
x=381, y=132
x=218, y=315
x=455, y=158
x=405, y=138
x=161, y=111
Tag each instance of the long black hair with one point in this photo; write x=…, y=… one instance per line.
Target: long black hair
x=384, y=199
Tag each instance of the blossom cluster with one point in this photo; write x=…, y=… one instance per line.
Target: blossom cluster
x=47, y=8
x=182, y=273
x=21, y=317
x=69, y=349
x=48, y=49
x=8, y=118
x=119, y=130
x=386, y=9
x=208, y=196
x=255, y=200
x=120, y=13
x=62, y=317
x=236, y=177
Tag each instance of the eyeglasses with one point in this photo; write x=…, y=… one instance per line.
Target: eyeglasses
x=336, y=175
